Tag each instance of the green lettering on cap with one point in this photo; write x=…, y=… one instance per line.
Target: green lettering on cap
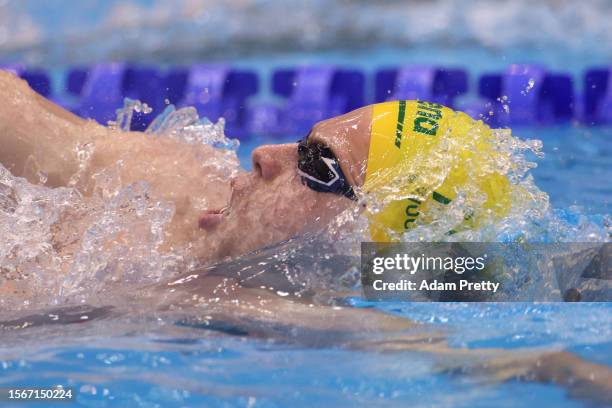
x=400, y=123
x=440, y=198
x=426, y=126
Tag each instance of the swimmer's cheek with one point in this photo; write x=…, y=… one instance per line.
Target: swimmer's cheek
x=182, y=205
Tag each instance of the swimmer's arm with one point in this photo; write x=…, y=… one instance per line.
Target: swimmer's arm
x=35, y=133
x=38, y=135
x=582, y=379
x=262, y=314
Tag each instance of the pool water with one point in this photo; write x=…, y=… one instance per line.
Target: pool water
x=139, y=361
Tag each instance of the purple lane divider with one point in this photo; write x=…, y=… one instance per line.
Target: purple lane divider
x=37, y=78
x=428, y=83
x=145, y=83
x=102, y=94
x=522, y=85
x=520, y=95
x=527, y=95
x=309, y=100
x=215, y=91
x=597, y=97
x=311, y=94
x=205, y=89
x=605, y=110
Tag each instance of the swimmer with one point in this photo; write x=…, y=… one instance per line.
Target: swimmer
x=293, y=189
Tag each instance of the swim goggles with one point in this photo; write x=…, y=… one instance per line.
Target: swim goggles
x=319, y=169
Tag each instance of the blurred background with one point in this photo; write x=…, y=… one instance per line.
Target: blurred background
x=273, y=68
x=565, y=33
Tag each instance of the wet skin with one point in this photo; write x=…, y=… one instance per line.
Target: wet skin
x=265, y=206
x=273, y=204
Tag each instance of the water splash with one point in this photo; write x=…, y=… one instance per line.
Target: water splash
x=190, y=28
x=184, y=124
x=505, y=103
x=125, y=115
x=528, y=87
x=111, y=238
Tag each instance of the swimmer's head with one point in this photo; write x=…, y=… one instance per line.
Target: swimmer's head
x=424, y=159
x=354, y=159
x=409, y=161
x=276, y=200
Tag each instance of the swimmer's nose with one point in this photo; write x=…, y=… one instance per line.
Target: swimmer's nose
x=269, y=161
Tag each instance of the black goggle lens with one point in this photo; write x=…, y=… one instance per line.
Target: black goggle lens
x=321, y=173
x=310, y=162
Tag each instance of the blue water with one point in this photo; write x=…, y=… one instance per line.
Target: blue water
x=149, y=367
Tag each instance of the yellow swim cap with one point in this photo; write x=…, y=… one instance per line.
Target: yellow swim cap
x=421, y=156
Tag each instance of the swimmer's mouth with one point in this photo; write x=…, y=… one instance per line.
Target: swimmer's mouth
x=210, y=218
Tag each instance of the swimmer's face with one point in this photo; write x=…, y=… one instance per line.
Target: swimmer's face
x=271, y=203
